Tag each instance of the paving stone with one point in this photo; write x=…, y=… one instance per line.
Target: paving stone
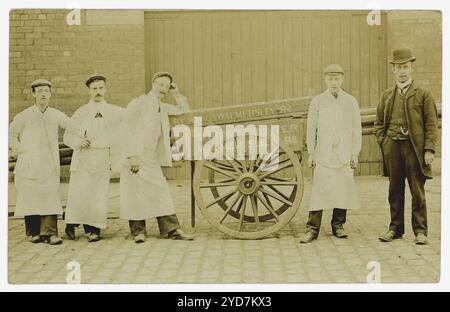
x=215, y=258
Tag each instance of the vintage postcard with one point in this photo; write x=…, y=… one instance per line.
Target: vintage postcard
x=224, y=146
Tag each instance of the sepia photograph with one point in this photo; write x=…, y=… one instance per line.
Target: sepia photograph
x=157, y=146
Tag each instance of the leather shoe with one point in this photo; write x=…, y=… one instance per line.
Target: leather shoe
x=180, y=235
x=308, y=237
x=93, y=238
x=421, y=239
x=139, y=239
x=389, y=237
x=55, y=240
x=340, y=233
x=36, y=239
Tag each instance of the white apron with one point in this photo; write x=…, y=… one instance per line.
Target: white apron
x=146, y=194
x=333, y=188
x=39, y=195
x=333, y=136
x=87, y=201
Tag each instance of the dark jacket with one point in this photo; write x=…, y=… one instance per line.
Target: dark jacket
x=421, y=119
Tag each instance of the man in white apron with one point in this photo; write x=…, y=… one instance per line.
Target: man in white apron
x=144, y=192
x=33, y=137
x=334, y=138
x=90, y=133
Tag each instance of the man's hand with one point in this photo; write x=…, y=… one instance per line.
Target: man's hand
x=85, y=143
x=311, y=161
x=429, y=158
x=174, y=91
x=134, y=163
x=354, y=162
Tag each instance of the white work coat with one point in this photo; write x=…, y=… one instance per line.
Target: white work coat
x=87, y=201
x=334, y=135
x=146, y=134
x=33, y=136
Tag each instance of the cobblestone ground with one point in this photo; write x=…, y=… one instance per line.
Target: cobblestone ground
x=215, y=258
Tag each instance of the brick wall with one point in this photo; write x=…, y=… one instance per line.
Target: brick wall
x=422, y=32
x=43, y=45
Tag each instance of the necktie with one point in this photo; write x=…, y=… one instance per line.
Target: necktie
x=404, y=89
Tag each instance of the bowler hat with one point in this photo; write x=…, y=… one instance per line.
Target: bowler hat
x=401, y=56
x=93, y=78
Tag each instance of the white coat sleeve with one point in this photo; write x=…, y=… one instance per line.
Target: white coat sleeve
x=63, y=120
x=132, y=133
x=311, y=128
x=357, y=130
x=182, y=106
x=72, y=136
x=15, y=129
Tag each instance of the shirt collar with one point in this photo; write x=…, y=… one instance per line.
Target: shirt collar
x=339, y=93
x=404, y=85
x=97, y=105
x=38, y=110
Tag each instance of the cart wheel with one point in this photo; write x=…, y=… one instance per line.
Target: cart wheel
x=249, y=199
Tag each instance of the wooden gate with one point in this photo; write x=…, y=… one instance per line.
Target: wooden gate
x=224, y=58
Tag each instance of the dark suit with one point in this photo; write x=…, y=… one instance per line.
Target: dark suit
x=404, y=159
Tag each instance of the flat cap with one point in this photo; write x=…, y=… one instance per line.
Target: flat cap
x=333, y=69
x=41, y=82
x=162, y=74
x=92, y=78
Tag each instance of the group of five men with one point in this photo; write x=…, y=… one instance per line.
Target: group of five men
x=136, y=141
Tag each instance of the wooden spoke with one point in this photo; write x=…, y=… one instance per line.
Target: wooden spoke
x=264, y=162
x=227, y=212
x=268, y=207
x=225, y=173
x=226, y=181
x=223, y=197
x=244, y=165
x=268, y=200
x=277, y=197
x=223, y=166
x=235, y=167
x=255, y=210
x=278, y=192
x=285, y=183
x=280, y=168
x=223, y=184
x=244, y=205
x=276, y=179
x=252, y=163
x=274, y=165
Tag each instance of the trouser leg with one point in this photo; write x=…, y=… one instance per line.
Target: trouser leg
x=49, y=225
x=339, y=218
x=168, y=224
x=137, y=227
x=314, y=221
x=32, y=225
x=396, y=170
x=89, y=229
x=416, y=181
